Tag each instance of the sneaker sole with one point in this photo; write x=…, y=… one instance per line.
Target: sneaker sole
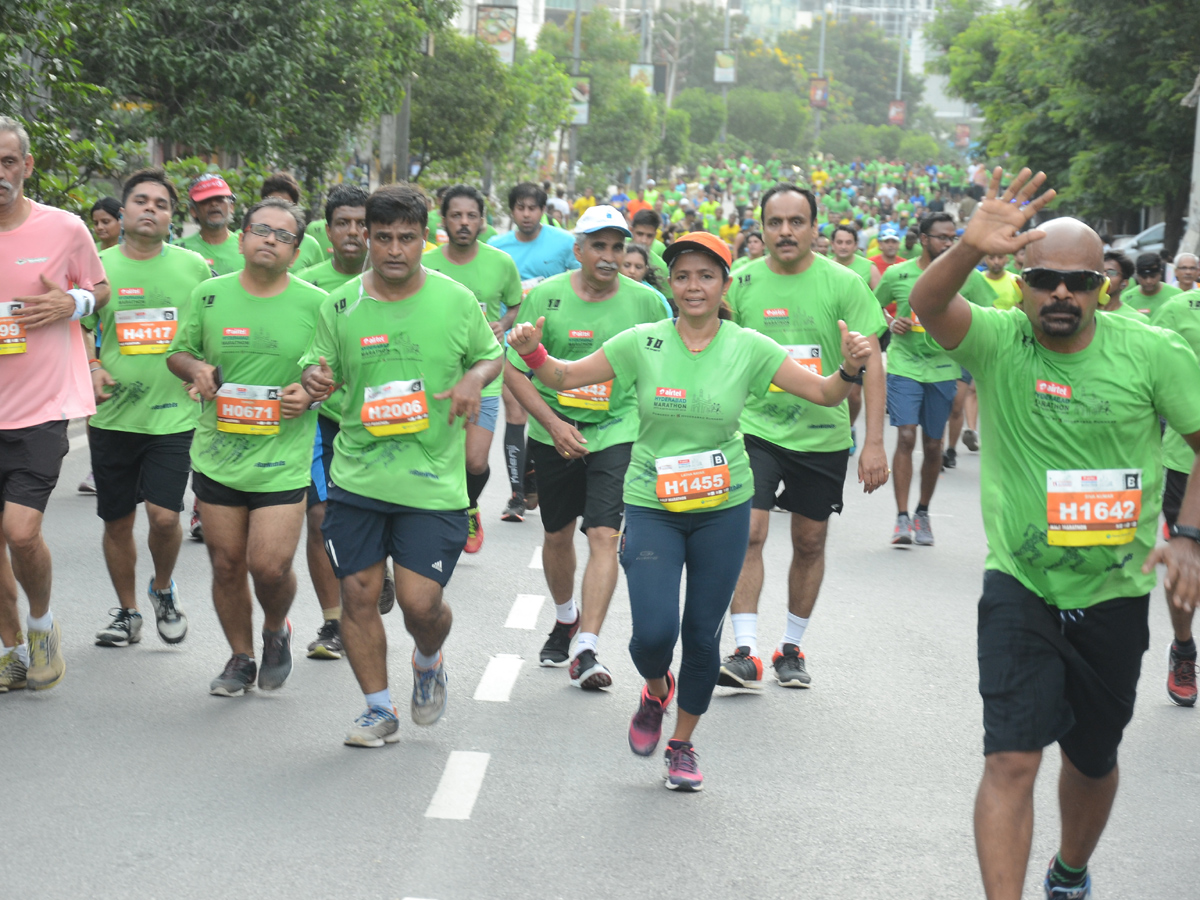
x=105, y=642
x=372, y=742
x=793, y=683
x=972, y=444
x=903, y=541
x=20, y=686
x=226, y=692
x=512, y=517
x=413, y=713
x=686, y=787
x=553, y=664
x=593, y=680
x=921, y=543
x=320, y=652
x=170, y=640
x=728, y=679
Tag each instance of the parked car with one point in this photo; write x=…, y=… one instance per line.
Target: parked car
x=1148, y=241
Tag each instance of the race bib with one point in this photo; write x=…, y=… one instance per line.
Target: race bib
x=916, y=323
x=592, y=396
x=528, y=284
x=1090, y=507
x=145, y=330
x=696, y=481
x=808, y=355
x=397, y=407
x=12, y=329
x=248, y=409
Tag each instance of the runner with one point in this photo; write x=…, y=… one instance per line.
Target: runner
x=414, y=354
x=844, y=241
x=539, y=252
x=491, y=275
x=141, y=434
x=921, y=379
x=284, y=187
x=580, y=440
x=240, y=345
x=755, y=249
x=106, y=222
x=797, y=298
x=210, y=202
x=1187, y=271
x=691, y=378
x=43, y=251
x=644, y=227
x=1151, y=291
x=1119, y=269
x=1063, y=616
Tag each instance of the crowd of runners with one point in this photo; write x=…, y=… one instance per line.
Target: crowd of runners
x=685, y=361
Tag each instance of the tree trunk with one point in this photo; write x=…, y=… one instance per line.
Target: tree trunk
x=1175, y=206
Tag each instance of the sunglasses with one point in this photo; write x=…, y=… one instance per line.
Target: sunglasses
x=284, y=237
x=1149, y=272
x=1077, y=281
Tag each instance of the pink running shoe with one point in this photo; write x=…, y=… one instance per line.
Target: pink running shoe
x=645, y=728
x=683, y=767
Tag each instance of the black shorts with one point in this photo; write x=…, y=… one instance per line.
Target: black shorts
x=210, y=491
x=130, y=467
x=360, y=531
x=1174, y=487
x=1049, y=675
x=812, y=482
x=30, y=460
x=592, y=486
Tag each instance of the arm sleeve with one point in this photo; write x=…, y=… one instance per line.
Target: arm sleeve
x=860, y=310
x=481, y=342
x=767, y=357
x=621, y=352
x=1177, y=383
x=883, y=290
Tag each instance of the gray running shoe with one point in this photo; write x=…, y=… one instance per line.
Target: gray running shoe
x=237, y=677
x=328, y=644
x=903, y=532
x=970, y=437
x=124, y=629
x=277, y=658
x=374, y=728
x=172, y=623
x=429, y=692
x=922, y=532
x=387, y=596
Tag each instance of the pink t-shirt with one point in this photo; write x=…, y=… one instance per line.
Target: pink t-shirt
x=50, y=380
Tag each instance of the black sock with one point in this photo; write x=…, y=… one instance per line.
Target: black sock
x=922, y=509
x=514, y=456
x=1186, y=649
x=1063, y=876
x=903, y=512
x=475, y=486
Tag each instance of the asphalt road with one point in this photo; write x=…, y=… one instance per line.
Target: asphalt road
x=129, y=781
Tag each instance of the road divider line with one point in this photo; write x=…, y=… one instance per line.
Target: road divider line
x=524, y=612
x=498, y=678
x=459, y=788
x=536, y=562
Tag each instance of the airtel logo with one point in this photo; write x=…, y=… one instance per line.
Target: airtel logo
x=677, y=393
x=375, y=340
x=1054, y=390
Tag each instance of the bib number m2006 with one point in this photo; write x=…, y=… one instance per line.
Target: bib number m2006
x=398, y=407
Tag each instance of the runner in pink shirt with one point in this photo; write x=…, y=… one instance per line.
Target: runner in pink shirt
x=50, y=276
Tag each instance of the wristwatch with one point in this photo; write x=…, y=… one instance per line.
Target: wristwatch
x=853, y=379
x=1186, y=531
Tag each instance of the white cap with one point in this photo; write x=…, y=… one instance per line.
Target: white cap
x=597, y=218
x=650, y=182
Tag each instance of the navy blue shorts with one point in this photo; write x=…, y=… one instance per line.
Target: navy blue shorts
x=360, y=531
x=966, y=377
x=927, y=404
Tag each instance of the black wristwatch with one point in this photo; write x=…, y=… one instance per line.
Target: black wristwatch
x=1185, y=531
x=853, y=379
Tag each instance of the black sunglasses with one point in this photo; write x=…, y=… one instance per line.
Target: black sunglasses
x=1077, y=281
x=1154, y=271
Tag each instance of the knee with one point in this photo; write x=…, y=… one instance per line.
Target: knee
x=24, y=538
x=561, y=539
x=270, y=572
x=906, y=439
x=654, y=639
x=1012, y=770
x=758, y=536
x=808, y=547
x=932, y=446
x=602, y=541
x=226, y=566
x=163, y=521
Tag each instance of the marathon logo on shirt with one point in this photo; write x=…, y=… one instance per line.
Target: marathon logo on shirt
x=577, y=335
x=775, y=313
x=670, y=399
x=1054, y=390
x=374, y=346
x=374, y=340
x=235, y=337
x=131, y=292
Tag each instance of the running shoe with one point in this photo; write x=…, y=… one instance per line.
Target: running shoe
x=903, y=533
x=791, y=669
x=387, y=594
x=922, y=530
x=236, y=678
x=970, y=439
x=328, y=644
x=1181, y=678
x=741, y=670
x=429, y=692
x=589, y=673
x=195, y=529
x=46, y=663
x=645, y=728
x=374, y=728
x=557, y=649
x=277, y=657
x=950, y=459
x=1059, y=892
x=683, y=767
x=88, y=485
x=124, y=629
x=172, y=623
x=13, y=670
x=474, y=531
x=515, y=511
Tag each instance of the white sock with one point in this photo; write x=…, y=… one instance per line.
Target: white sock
x=745, y=631
x=22, y=653
x=381, y=699
x=586, y=641
x=794, y=632
x=425, y=662
x=41, y=624
x=566, y=612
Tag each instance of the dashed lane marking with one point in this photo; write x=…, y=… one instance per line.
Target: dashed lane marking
x=536, y=562
x=457, y=791
x=498, y=678
x=524, y=612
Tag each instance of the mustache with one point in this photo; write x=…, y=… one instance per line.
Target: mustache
x=1061, y=307
x=6, y=185
x=608, y=267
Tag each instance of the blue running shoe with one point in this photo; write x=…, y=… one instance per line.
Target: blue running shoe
x=429, y=692
x=1059, y=892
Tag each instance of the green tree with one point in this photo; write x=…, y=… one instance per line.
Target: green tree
x=540, y=94
x=675, y=146
x=702, y=34
x=769, y=122
x=918, y=148
x=706, y=111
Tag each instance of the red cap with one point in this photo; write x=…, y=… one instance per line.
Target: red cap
x=699, y=240
x=208, y=186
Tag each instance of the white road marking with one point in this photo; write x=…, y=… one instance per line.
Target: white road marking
x=498, y=678
x=536, y=562
x=525, y=611
x=457, y=791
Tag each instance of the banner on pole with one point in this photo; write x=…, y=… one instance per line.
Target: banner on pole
x=896, y=112
x=497, y=27
x=818, y=93
x=725, y=71
x=581, y=95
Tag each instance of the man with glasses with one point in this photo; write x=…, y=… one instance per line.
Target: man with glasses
x=921, y=378
x=240, y=345
x=1152, y=292
x=1118, y=269
x=1187, y=271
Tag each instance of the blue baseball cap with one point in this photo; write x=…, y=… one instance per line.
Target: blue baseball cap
x=889, y=231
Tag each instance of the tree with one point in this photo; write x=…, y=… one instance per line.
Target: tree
x=541, y=101
x=918, y=148
x=706, y=111
x=675, y=145
x=769, y=122
x=702, y=34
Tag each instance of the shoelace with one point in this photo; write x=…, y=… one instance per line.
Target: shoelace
x=232, y=667
x=649, y=715
x=426, y=679
x=684, y=759
x=122, y=618
x=327, y=630
x=373, y=716
x=166, y=600
x=1185, y=672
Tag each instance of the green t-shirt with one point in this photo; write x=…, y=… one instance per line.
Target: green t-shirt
x=1180, y=314
x=316, y=228
x=801, y=312
x=491, y=276
x=688, y=404
x=1149, y=305
x=861, y=266
x=221, y=258
x=311, y=254
x=1062, y=428
x=149, y=298
x=916, y=355
x=573, y=329
x=395, y=442
x=660, y=266
x=329, y=279
x=258, y=343
x=1128, y=312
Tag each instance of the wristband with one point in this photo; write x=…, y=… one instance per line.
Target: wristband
x=85, y=303
x=853, y=379
x=1185, y=531
x=537, y=358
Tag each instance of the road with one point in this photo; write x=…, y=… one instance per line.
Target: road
x=129, y=781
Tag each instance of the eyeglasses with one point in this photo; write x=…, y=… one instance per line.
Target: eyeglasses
x=1113, y=273
x=1077, y=281
x=943, y=238
x=284, y=237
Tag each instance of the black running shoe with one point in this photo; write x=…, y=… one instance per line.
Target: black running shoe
x=741, y=670
x=950, y=459
x=790, y=667
x=387, y=594
x=589, y=673
x=515, y=511
x=557, y=649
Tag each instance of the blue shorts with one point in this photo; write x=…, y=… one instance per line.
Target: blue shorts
x=927, y=404
x=966, y=377
x=489, y=411
x=317, y=487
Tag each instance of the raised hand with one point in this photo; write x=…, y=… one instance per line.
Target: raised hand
x=524, y=338
x=995, y=226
